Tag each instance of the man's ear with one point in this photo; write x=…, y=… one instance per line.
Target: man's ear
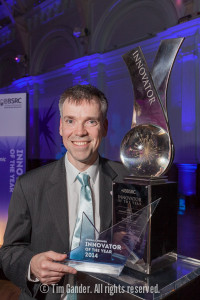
x=60, y=127
x=105, y=127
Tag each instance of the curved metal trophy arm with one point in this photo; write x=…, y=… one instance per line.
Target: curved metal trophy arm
x=162, y=66
x=147, y=149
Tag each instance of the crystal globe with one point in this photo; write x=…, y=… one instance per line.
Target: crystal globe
x=146, y=151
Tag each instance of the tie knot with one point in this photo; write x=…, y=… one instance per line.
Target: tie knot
x=83, y=178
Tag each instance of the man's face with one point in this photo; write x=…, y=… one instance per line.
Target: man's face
x=82, y=129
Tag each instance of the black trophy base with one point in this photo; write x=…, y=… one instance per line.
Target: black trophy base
x=157, y=246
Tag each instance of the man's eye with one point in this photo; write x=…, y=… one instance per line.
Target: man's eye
x=91, y=123
x=69, y=121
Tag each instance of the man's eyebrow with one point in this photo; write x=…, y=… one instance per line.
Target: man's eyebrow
x=68, y=117
x=87, y=118
x=93, y=118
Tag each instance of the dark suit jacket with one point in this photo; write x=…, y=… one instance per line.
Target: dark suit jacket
x=38, y=218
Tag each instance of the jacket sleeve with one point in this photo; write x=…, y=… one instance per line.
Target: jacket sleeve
x=15, y=254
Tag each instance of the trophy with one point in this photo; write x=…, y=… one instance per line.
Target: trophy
x=147, y=152
x=108, y=251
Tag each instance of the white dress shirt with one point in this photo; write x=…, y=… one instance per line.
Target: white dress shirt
x=73, y=192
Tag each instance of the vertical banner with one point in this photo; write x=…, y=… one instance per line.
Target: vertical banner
x=12, y=149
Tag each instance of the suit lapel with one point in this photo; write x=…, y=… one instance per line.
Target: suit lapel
x=107, y=175
x=57, y=199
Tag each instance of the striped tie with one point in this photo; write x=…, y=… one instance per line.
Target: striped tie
x=85, y=205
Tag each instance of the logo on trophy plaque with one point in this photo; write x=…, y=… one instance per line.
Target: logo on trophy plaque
x=147, y=152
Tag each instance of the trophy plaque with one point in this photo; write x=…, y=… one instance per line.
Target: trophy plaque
x=147, y=152
x=107, y=252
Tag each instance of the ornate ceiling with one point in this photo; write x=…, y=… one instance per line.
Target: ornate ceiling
x=12, y=9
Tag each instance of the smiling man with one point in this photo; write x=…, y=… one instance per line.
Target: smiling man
x=46, y=204
x=82, y=126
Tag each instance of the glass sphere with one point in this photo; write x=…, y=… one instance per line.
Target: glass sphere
x=146, y=150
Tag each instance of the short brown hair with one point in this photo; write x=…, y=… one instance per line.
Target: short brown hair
x=87, y=92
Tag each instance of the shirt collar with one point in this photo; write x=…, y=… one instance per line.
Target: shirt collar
x=72, y=172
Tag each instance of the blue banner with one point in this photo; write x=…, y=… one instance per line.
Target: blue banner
x=12, y=149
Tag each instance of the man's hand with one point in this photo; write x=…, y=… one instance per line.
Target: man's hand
x=46, y=270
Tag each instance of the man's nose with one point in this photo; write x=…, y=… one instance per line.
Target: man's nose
x=80, y=130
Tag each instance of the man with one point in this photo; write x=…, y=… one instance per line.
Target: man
x=45, y=202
